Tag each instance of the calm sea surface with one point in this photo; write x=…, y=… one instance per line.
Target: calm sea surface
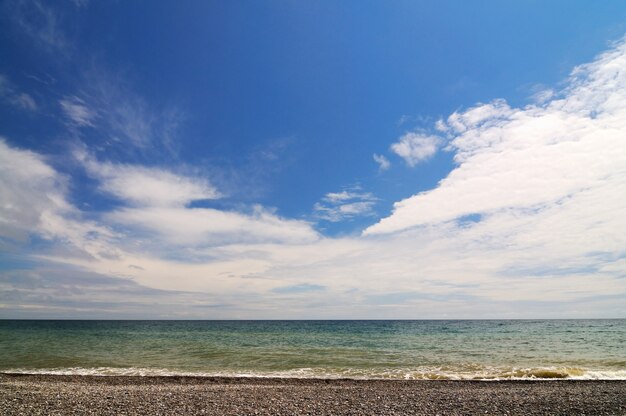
x=329, y=349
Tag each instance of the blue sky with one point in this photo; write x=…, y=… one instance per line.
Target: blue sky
x=312, y=159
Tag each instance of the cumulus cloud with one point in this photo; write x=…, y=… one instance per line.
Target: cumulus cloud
x=533, y=159
x=347, y=204
x=415, y=147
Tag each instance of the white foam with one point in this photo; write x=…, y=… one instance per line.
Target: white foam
x=430, y=373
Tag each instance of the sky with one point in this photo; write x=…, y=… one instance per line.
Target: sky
x=312, y=160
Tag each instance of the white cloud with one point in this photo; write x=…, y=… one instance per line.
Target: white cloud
x=335, y=197
x=482, y=115
x=155, y=187
x=201, y=227
x=142, y=186
x=347, y=204
x=156, y=202
x=415, y=148
x=34, y=202
x=545, y=184
x=120, y=117
x=543, y=95
x=28, y=187
x=148, y=232
x=535, y=158
x=383, y=162
x=78, y=112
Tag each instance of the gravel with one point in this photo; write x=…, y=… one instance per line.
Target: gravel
x=93, y=395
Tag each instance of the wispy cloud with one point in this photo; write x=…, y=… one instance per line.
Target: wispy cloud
x=383, y=162
x=252, y=175
x=345, y=205
x=41, y=23
x=415, y=147
x=18, y=99
x=77, y=111
x=25, y=101
x=101, y=108
x=118, y=117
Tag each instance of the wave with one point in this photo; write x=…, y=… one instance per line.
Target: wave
x=488, y=373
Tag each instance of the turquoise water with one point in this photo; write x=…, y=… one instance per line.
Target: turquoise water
x=329, y=349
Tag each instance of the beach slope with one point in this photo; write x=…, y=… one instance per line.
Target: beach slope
x=56, y=395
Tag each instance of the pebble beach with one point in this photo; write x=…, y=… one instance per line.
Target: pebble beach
x=117, y=395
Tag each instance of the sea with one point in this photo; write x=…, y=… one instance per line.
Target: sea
x=376, y=349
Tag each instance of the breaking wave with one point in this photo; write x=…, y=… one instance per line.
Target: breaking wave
x=487, y=373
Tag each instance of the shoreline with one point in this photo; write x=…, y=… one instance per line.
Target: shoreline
x=76, y=394
x=235, y=379
x=493, y=374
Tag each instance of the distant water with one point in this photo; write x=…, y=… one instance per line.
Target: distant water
x=524, y=349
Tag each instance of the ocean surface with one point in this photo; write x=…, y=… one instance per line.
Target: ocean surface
x=492, y=350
